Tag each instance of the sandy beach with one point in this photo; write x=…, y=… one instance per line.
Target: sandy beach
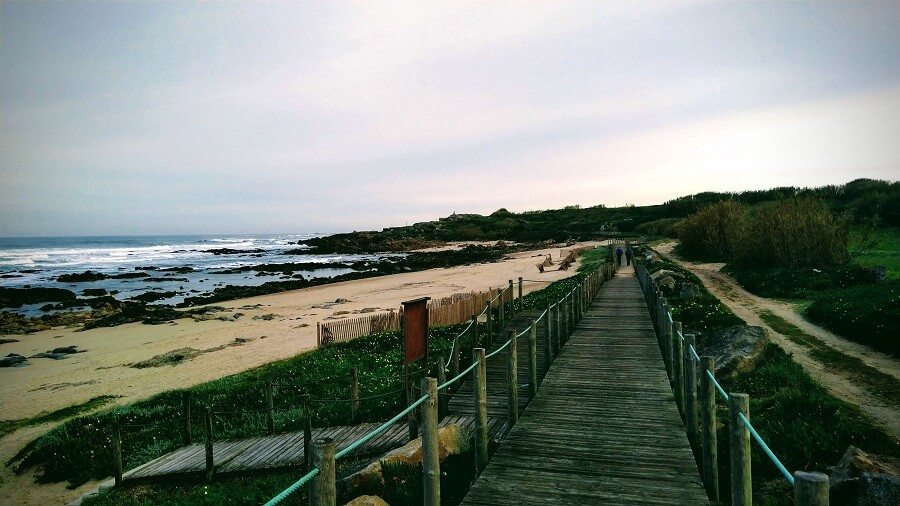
x=104, y=368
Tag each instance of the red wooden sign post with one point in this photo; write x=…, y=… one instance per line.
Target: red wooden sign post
x=415, y=346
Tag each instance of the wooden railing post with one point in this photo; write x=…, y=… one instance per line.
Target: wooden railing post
x=512, y=378
x=739, y=439
x=307, y=432
x=810, y=489
x=117, y=448
x=186, y=410
x=323, y=490
x=454, y=356
x=563, y=321
x=354, y=395
x=512, y=300
x=548, y=339
x=489, y=332
x=270, y=409
x=207, y=428
x=501, y=307
x=443, y=396
x=557, y=330
x=710, y=440
x=431, y=463
x=411, y=418
x=521, y=300
x=690, y=391
x=677, y=365
x=532, y=360
x=481, y=426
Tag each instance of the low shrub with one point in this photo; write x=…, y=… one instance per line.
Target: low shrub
x=798, y=283
x=868, y=314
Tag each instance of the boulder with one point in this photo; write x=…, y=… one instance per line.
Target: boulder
x=368, y=500
x=94, y=292
x=666, y=282
x=864, y=479
x=663, y=273
x=689, y=290
x=737, y=348
x=452, y=440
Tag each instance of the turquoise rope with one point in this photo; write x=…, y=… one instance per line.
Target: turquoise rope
x=694, y=353
x=361, y=441
x=498, y=350
x=766, y=449
x=293, y=488
x=458, y=377
x=718, y=386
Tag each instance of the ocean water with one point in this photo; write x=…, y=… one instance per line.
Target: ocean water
x=39, y=261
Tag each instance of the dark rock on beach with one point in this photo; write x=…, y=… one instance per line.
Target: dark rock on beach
x=130, y=275
x=94, y=292
x=153, y=296
x=17, y=297
x=59, y=353
x=229, y=251
x=81, y=277
x=12, y=360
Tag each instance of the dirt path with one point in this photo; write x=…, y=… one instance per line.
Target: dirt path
x=748, y=307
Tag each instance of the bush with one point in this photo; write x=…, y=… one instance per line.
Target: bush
x=712, y=232
x=798, y=232
x=798, y=283
x=868, y=314
x=665, y=227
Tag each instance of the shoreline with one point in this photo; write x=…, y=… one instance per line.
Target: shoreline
x=284, y=326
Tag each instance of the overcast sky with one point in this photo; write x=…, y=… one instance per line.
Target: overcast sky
x=250, y=117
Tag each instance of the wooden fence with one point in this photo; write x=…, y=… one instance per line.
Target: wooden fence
x=457, y=308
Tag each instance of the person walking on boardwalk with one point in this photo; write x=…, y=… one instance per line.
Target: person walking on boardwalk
x=619, y=255
x=629, y=254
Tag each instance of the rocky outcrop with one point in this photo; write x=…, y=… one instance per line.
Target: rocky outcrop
x=17, y=297
x=737, y=348
x=864, y=479
x=452, y=440
x=688, y=290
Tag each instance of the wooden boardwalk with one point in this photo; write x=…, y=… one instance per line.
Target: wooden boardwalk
x=603, y=428
x=280, y=451
x=463, y=401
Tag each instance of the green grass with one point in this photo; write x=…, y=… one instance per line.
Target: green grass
x=10, y=426
x=245, y=490
x=883, y=249
x=868, y=314
x=881, y=385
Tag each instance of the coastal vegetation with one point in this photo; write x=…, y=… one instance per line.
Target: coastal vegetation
x=805, y=426
x=798, y=249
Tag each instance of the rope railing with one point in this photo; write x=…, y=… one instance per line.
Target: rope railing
x=682, y=362
x=766, y=449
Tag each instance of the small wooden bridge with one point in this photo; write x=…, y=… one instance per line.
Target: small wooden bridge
x=280, y=451
x=604, y=427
